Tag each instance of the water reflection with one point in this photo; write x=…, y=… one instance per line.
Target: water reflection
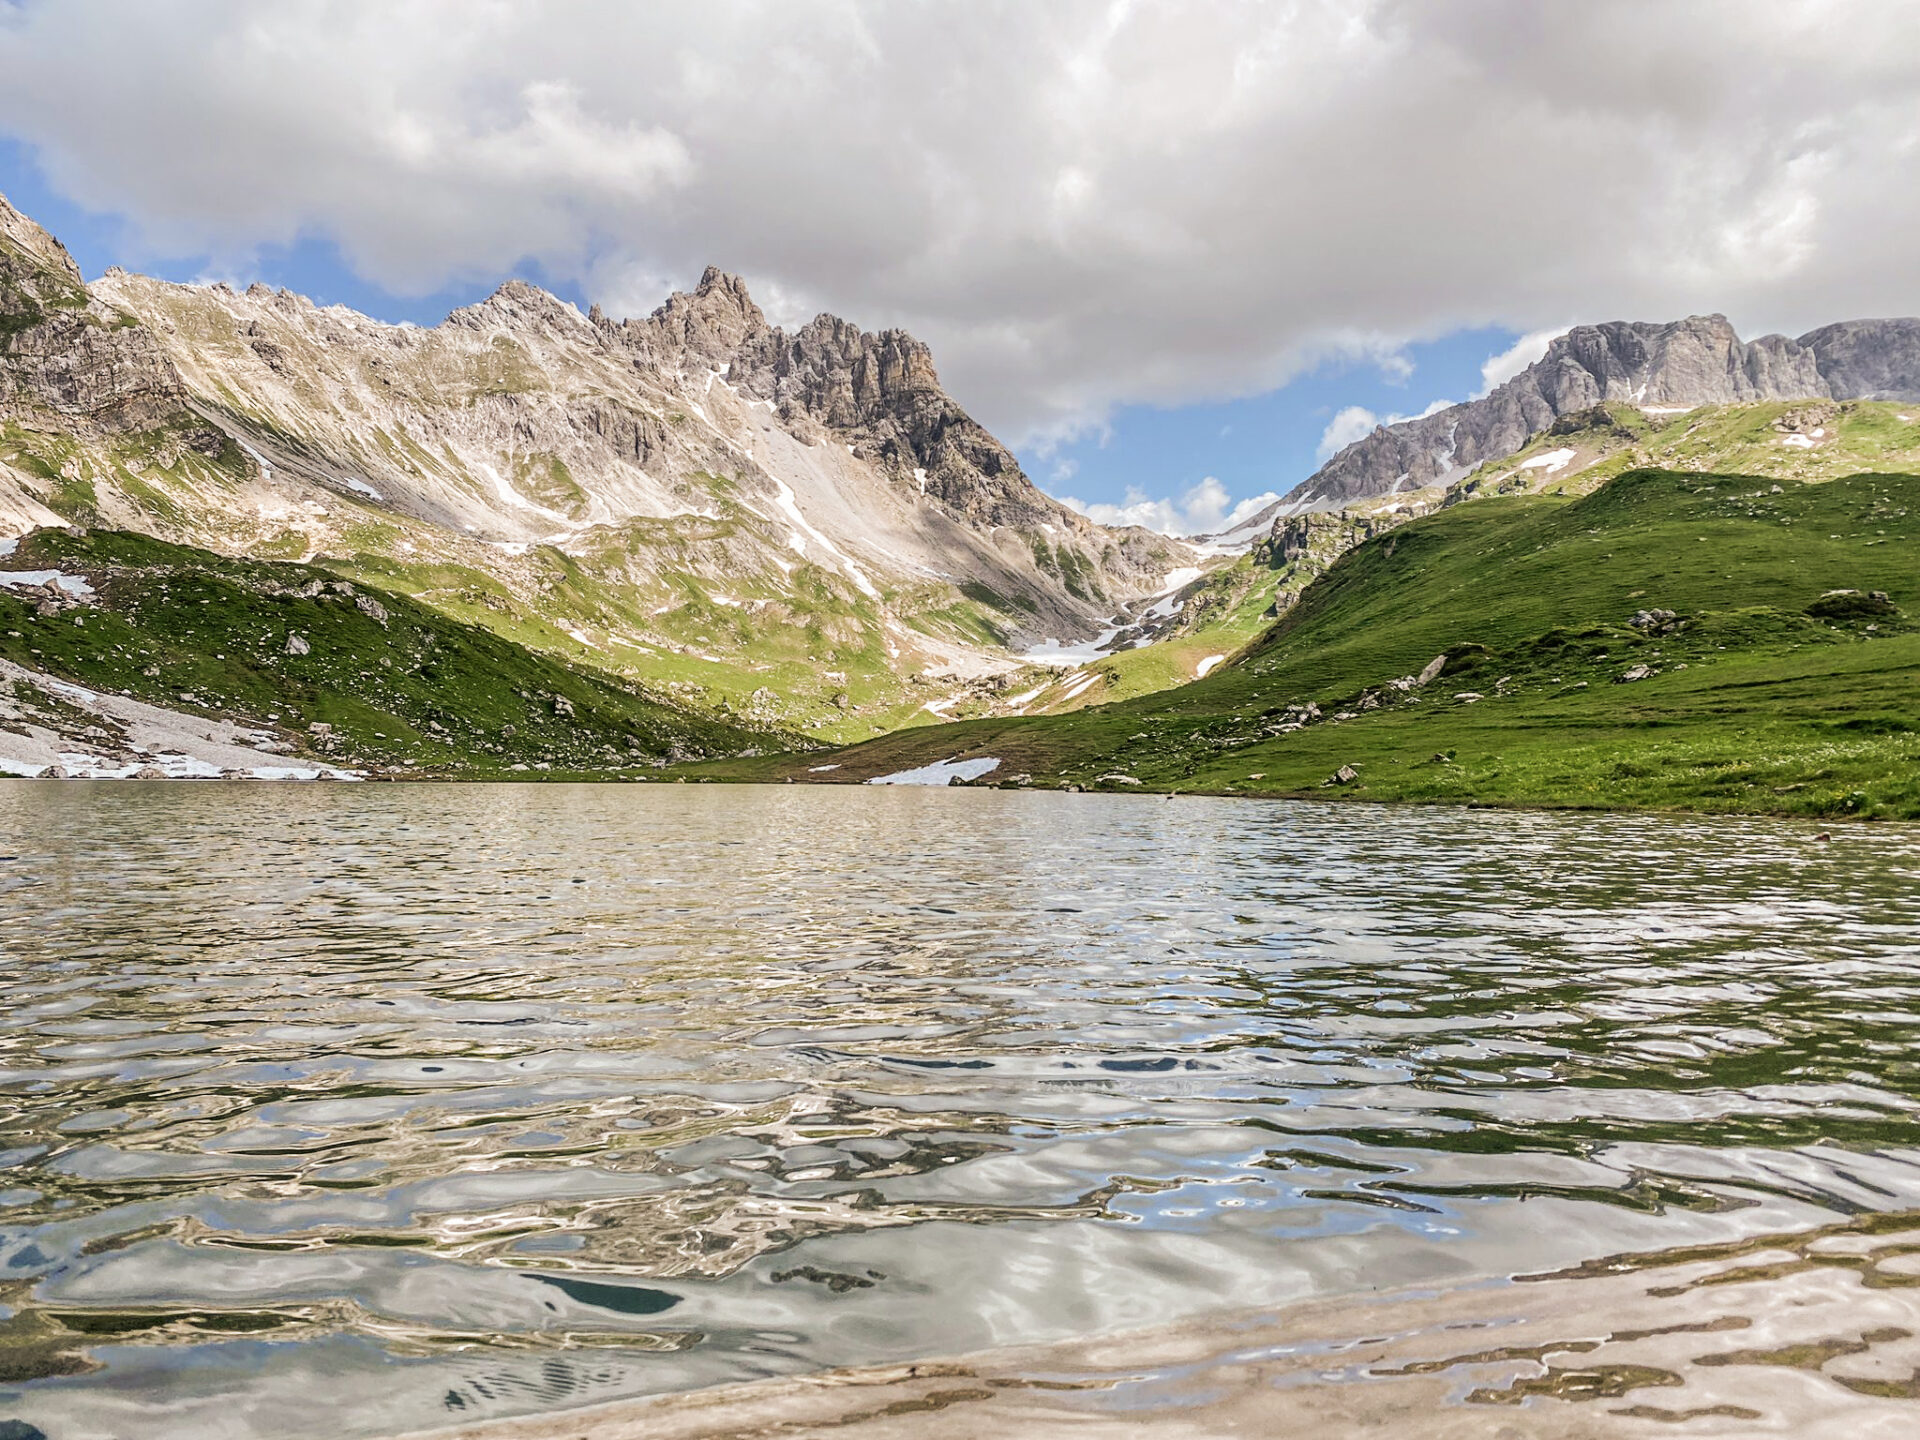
x=513, y=1097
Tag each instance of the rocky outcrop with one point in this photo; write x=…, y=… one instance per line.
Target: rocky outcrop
x=1688, y=363
x=1696, y=361
x=878, y=394
x=1868, y=359
x=63, y=350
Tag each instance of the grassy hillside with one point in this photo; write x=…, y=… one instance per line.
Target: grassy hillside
x=289, y=646
x=1755, y=696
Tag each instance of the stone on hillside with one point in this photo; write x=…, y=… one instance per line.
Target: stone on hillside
x=297, y=645
x=371, y=608
x=1467, y=697
x=1636, y=672
x=1852, y=605
x=1432, y=672
x=1345, y=775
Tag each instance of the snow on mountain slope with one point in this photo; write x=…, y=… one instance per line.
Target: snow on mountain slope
x=804, y=527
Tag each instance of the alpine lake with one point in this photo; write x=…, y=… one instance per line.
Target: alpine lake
x=362, y=1110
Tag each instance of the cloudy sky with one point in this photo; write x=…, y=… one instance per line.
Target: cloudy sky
x=1171, y=251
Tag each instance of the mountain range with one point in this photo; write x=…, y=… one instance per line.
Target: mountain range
x=799, y=532
x=696, y=496
x=1657, y=368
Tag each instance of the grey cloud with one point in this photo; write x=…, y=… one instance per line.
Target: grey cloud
x=1078, y=204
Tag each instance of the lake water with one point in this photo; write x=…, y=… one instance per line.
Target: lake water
x=342, y=1111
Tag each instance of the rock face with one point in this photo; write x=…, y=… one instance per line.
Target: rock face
x=62, y=350
x=521, y=422
x=695, y=495
x=1868, y=359
x=879, y=394
x=1687, y=363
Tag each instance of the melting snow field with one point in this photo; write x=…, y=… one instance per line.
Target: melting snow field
x=1206, y=665
x=72, y=584
x=1551, y=461
x=941, y=772
x=119, y=738
x=1072, y=657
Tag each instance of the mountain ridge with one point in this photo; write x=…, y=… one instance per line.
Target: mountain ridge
x=694, y=497
x=1683, y=364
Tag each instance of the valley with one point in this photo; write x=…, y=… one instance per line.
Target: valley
x=728, y=549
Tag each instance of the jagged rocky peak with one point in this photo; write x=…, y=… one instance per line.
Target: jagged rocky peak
x=33, y=246
x=518, y=302
x=703, y=329
x=63, y=350
x=1680, y=363
x=1696, y=361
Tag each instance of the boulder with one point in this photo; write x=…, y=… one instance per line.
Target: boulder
x=1852, y=605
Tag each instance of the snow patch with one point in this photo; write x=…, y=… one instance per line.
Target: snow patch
x=1550, y=462
x=790, y=506
x=941, y=772
x=1026, y=697
x=1207, y=664
x=1665, y=409
x=1072, y=657
x=1797, y=442
x=820, y=769
x=7, y=547
x=266, y=466
x=22, y=579
x=1078, y=686
x=360, y=487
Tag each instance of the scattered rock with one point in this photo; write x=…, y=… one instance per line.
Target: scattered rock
x=1116, y=778
x=1467, y=697
x=1656, y=622
x=1636, y=672
x=320, y=731
x=1345, y=775
x=371, y=608
x=1432, y=672
x=297, y=645
x=563, y=707
x=1852, y=605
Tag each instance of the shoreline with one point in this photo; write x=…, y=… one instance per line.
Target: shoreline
x=1813, y=1334
x=1309, y=797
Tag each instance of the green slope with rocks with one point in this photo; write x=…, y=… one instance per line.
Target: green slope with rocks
x=1669, y=640
x=333, y=672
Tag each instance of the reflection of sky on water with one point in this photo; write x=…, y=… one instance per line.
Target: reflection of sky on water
x=657, y=1087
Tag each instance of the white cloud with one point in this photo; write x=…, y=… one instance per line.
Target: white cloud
x=1356, y=422
x=1501, y=368
x=1205, y=509
x=1349, y=425
x=1079, y=204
